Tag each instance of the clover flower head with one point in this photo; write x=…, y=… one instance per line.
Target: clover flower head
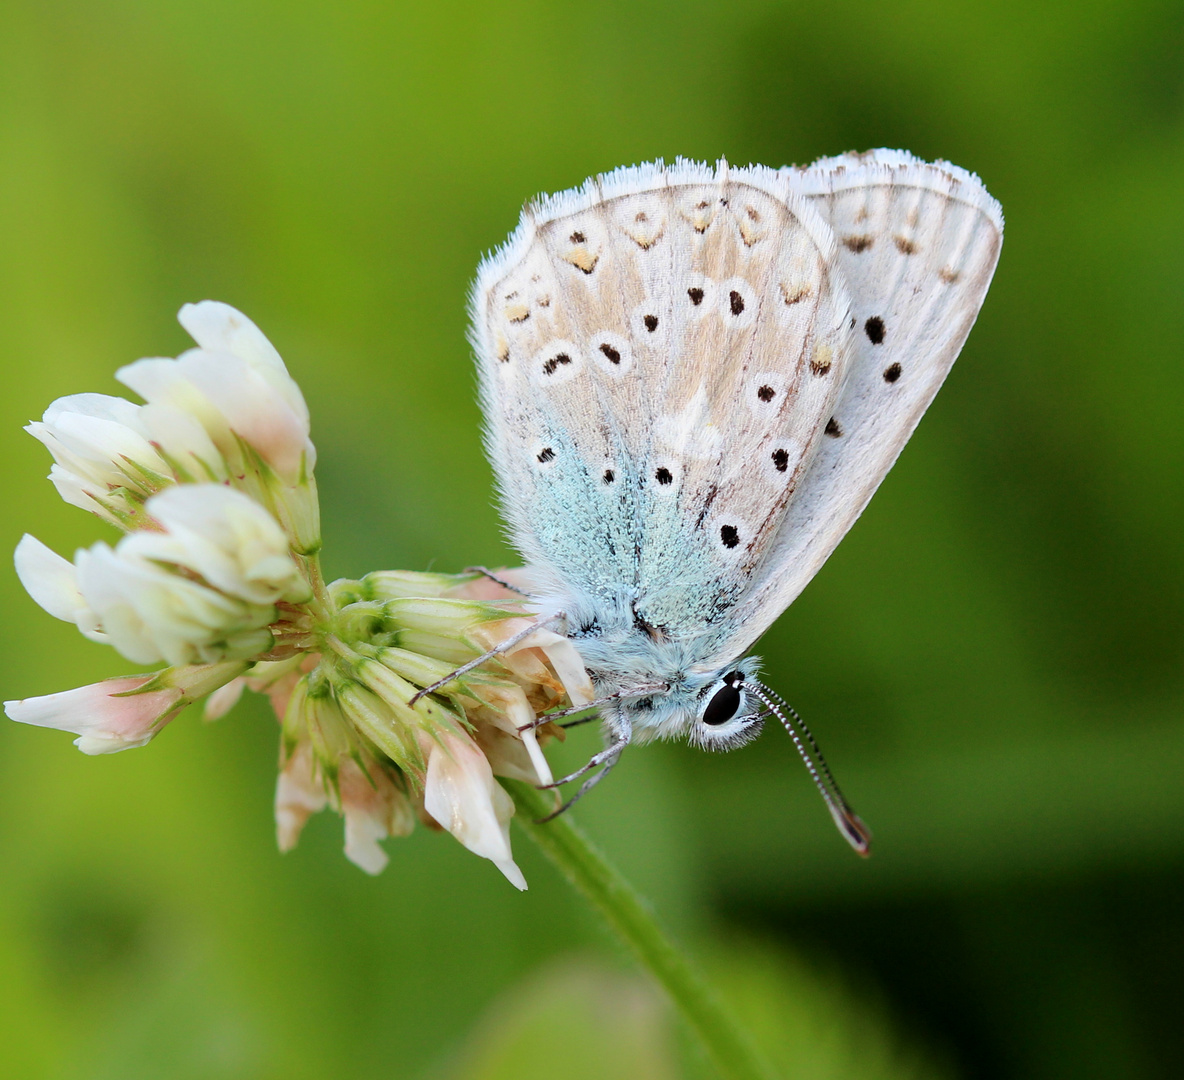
x=218, y=577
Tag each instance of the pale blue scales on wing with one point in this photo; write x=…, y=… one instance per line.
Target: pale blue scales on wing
x=693, y=379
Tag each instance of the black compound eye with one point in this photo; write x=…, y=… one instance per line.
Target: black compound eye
x=724, y=705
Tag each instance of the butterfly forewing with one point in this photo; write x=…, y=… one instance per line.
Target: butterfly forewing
x=660, y=355
x=917, y=244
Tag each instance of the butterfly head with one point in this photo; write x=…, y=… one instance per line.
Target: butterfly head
x=727, y=714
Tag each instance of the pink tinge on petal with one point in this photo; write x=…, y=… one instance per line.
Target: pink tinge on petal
x=255, y=408
x=485, y=588
x=374, y=809
x=299, y=794
x=511, y=712
x=231, y=398
x=222, y=700
x=569, y=666
x=103, y=722
x=279, y=688
x=219, y=327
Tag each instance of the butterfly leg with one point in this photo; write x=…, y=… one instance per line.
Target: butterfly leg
x=494, y=578
x=608, y=757
x=497, y=650
x=612, y=751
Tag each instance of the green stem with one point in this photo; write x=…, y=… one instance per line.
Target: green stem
x=728, y=1045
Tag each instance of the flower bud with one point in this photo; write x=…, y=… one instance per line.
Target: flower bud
x=374, y=718
x=444, y=629
x=393, y=584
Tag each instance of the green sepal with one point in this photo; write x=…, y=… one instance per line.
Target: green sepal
x=427, y=671
x=443, y=615
x=375, y=719
x=453, y=651
x=294, y=724
x=361, y=621
x=400, y=584
x=145, y=478
x=193, y=680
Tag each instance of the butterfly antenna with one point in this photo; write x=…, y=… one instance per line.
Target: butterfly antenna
x=834, y=784
x=853, y=829
x=485, y=572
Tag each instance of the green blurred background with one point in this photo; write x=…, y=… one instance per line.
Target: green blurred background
x=992, y=659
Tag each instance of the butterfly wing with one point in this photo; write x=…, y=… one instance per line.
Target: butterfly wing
x=659, y=353
x=918, y=244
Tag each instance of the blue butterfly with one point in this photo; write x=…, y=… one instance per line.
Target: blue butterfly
x=693, y=381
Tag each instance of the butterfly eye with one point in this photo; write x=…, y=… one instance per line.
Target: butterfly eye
x=724, y=703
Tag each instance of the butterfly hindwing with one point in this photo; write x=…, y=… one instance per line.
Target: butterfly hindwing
x=918, y=244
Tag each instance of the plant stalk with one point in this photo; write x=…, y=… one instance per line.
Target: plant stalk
x=728, y=1045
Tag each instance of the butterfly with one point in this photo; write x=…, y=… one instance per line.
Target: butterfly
x=693, y=379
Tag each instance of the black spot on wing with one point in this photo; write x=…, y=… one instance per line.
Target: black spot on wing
x=651, y=323
x=729, y=535
x=555, y=363
x=874, y=328
x=545, y=455
x=892, y=373
x=696, y=296
x=832, y=428
x=781, y=460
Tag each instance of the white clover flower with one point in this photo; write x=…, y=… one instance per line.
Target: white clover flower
x=218, y=576
x=53, y=583
x=103, y=721
x=299, y=793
